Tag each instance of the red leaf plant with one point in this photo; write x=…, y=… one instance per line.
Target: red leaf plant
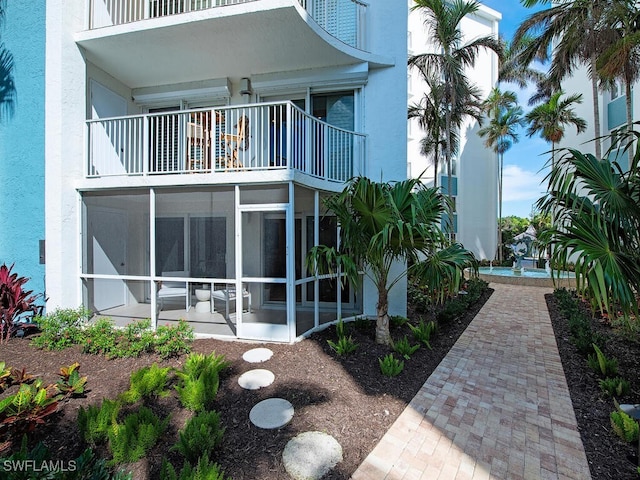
x=14, y=300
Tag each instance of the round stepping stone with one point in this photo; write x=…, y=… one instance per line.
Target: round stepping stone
x=310, y=455
x=257, y=355
x=271, y=413
x=255, y=379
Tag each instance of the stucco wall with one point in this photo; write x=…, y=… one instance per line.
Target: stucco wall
x=22, y=145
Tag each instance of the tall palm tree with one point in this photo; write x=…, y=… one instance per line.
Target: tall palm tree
x=384, y=223
x=505, y=116
x=430, y=112
x=550, y=119
x=450, y=59
x=512, y=70
x=570, y=31
x=7, y=84
x=622, y=57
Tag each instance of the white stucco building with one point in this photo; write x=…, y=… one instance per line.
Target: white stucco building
x=475, y=170
x=189, y=144
x=613, y=114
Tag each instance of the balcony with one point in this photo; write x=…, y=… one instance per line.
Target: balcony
x=256, y=137
x=342, y=19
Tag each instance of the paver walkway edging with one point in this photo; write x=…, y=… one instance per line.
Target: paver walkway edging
x=497, y=406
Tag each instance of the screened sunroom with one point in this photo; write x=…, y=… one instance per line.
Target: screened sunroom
x=229, y=259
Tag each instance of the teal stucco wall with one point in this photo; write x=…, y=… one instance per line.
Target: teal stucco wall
x=22, y=214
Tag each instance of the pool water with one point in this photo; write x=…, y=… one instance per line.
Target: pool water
x=530, y=273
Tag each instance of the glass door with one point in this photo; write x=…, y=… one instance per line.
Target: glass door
x=265, y=263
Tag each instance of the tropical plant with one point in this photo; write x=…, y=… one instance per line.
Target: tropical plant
x=513, y=70
x=344, y=345
x=146, y=382
x=423, y=331
x=390, y=366
x=624, y=426
x=505, y=116
x=71, y=383
x=131, y=440
x=7, y=84
x=61, y=328
x=95, y=422
x=596, y=204
x=199, y=380
x=600, y=363
x=450, y=59
x=204, y=469
x=200, y=436
x=14, y=300
x=615, y=387
x=571, y=30
x=382, y=224
x=404, y=348
x=550, y=118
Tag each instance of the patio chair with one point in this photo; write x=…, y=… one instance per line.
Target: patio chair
x=171, y=289
x=234, y=143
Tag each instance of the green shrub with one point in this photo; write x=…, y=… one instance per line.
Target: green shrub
x=136, y=338
x=173, y=341
x=61, y=328
x=391, y=366
x=615, y=387
x=200, y=436
x=199, y=380
x=398, y=320
x=452, y=309
x=624, y=426
x=88, y=466
x=404, y=348
x=131, y=440
x=204, y=470
x=362, y=323
x=147, y=382
x=344, y=345
x=100, y=338
x=607, y=367
x=95, y=422
x=423, y=331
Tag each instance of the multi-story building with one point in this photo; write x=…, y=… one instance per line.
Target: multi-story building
x=189, y=145
x=475, y=168
x=612, y=106
x=22, y=224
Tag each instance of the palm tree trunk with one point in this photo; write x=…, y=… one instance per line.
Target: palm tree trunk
x=500, y=164
x=383, y=336
x=435, y=166
x=596, y=106
x=449, y=182
x=627, y=87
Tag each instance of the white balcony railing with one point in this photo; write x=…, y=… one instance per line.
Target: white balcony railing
x=343, y=19
x=267, y=136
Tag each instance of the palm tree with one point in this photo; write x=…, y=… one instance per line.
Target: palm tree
x=598, y=228
x=7, y=84
x=512, y=70
x=430, y=112
x=450, y=59
x=505, y=116
x=572, y=29
x=622, y=57
x=382, y=224
x=550, y=118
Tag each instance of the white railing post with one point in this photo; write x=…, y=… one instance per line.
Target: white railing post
x=143, y=140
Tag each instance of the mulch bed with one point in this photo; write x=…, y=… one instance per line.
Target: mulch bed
x=346, y=397
x=609, y=457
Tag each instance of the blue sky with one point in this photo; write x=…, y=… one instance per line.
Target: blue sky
x=523, y=164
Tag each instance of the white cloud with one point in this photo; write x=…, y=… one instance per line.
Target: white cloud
x=521, y=184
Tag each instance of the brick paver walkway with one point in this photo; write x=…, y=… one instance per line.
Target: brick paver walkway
x=497, y=407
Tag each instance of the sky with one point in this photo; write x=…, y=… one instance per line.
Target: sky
x=523, y=171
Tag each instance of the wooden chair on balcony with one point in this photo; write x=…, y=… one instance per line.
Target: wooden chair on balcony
x=233, y=143
x=199, y=142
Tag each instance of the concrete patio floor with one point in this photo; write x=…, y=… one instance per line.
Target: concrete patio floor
x=497, y=406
